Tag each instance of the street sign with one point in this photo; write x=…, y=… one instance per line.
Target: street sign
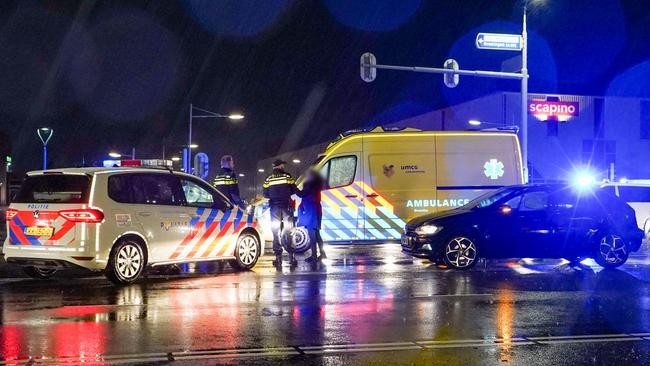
x=368, y=73
x=499, y=41
x=451, y=80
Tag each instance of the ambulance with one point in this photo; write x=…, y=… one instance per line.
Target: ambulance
x=379, y=179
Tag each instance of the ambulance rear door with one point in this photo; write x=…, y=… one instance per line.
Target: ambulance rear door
x=470, y=164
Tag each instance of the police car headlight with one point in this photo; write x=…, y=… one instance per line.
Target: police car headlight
x=428, y=229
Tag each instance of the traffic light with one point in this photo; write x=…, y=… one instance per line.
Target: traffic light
x=451, y=80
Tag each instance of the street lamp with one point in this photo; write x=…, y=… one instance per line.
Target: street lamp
x=476, y=122
x=116, y=154
x=524, y=87
x=45, y=134
x=187, y=154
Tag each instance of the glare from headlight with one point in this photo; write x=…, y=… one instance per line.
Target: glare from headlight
x=427, y=229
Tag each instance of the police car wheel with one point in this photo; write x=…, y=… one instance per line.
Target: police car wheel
x=247, y=252
x=39, y=273
x=460, y=252
x=612, y=251
x=126, y=262
x=300, y=240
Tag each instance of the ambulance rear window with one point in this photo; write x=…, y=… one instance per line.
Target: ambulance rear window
x=55, y=188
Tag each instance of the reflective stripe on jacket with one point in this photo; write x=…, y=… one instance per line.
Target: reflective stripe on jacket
x=226, y=182
x=278, y=188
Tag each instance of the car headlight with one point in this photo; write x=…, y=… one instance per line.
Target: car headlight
x=428, y=229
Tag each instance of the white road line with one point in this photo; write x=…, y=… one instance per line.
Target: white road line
x=363, y=349
x=591, y=340
x=334, y=349
x=585, y=336
x=449, y=295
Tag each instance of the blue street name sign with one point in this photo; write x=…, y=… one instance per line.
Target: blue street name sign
x=498, y=41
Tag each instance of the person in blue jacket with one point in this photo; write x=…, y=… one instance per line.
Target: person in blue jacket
x=310, y=212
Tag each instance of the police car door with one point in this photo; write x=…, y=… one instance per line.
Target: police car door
x=342, y=199
x=158, y=200
x=213, y=222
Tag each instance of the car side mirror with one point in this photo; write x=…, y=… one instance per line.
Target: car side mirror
x=505, y=209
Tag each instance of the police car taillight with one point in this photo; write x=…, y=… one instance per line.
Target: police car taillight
x=87, y=215
x=10, y=213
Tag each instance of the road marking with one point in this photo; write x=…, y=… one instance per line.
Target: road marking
x=450, y=295
x=328, y=349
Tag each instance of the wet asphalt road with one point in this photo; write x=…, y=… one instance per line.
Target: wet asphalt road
x=368, y=305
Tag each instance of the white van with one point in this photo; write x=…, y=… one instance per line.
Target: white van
x=379, y=179
x=637, y=194
x=122, y=220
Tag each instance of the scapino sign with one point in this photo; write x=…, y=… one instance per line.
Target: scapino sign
x=545, y=110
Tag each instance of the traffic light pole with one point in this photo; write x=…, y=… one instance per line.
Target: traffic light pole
x=433, y=70
x=369, y=67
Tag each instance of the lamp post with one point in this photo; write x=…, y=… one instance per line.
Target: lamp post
x=45, y=134
x=187, y=155
x=524, y=94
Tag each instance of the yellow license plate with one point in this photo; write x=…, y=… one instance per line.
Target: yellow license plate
x=39, y=231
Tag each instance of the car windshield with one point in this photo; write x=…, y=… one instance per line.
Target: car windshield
x=488, y=199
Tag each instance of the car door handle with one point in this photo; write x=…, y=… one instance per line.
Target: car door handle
x=351, y=196
x=372, y=195
x=144, y=214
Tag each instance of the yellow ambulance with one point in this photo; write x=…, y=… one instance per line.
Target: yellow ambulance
x=379, y=179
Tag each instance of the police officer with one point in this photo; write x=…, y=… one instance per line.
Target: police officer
x=278, y=188
x=226, y=181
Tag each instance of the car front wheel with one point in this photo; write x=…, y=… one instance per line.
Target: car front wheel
x=612, y=251
x=247, y=252
x=460, y=253
x=126, y=262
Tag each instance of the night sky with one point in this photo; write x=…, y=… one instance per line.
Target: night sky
x=112, y=75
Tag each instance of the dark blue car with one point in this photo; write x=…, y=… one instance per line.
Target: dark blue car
x=533, y=221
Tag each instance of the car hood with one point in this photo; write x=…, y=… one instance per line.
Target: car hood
x=436, y=216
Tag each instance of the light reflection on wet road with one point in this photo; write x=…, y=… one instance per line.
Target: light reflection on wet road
x=367, y=304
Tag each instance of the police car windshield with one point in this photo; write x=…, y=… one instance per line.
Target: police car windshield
x=490, y=198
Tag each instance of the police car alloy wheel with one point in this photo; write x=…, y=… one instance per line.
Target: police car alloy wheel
x=460, y=253
x=300, y=240
x=247, y=252
x=612, y=251
x=126, y=262
x=39, y=273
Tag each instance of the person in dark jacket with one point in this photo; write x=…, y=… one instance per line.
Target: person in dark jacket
x=226, y=181
x=278, y=188
x=310, y=212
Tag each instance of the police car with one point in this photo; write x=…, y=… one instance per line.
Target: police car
x=122, y=220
